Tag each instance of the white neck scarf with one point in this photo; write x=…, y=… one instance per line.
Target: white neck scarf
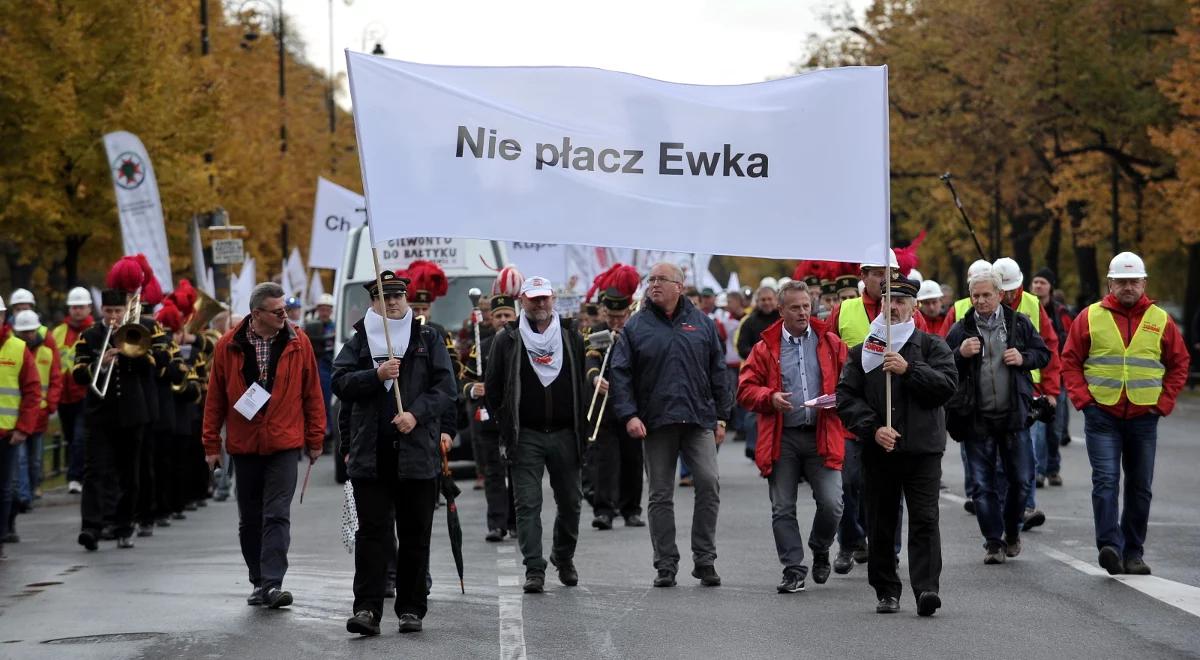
x=876, y=345
x=400, y=331
x=544, y=349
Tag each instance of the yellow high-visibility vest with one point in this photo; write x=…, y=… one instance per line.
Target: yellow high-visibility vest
x=853, y=324
x=44, y=359
x=66, y=354
x=1032, y=307
x=1112, y=367
x=961, y=307
x=12, y=358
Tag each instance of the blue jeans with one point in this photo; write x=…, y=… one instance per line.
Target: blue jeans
x=852, y=530
x=1000, y=525
x=29, y=467
x=969, y=485
x=71, y=417
x=1046, y=443
x=1062, y=420
x=1029, y=437
x=8, y=476
x=1114, y=444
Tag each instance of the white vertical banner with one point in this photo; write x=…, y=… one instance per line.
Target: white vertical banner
x=336, y=212
x=295, y=273
x=508, y=153
x=201, y=273
x=138, y=204
x=243, y=286
x=316, y=288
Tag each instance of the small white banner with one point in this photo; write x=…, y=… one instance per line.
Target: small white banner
x=228, y=251
x=138, y=204
x=337, y=211
x=587, y=157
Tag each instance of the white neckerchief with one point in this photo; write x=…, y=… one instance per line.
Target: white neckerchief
x=400, y=331
x=544, y=349
x=875, y=345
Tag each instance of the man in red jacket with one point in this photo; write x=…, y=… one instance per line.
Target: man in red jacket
x=793, y=363
x=265, y=390
x=70, y=406
x=1124, y=365
x=20, y=401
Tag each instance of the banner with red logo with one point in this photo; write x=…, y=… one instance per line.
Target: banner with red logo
x=138, y=204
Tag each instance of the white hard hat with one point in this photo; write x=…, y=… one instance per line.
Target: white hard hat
x=26, y=320
x=1011, y=278
x=78, y=296
x=1126, y=266
x=781, y=282
x=768, y=281
x=873, y=260
x=325, y=299
x=722, y=300
x=929, y=290
x=21, y=297
x=978, y=267
x=2, y=307
x=914, y=274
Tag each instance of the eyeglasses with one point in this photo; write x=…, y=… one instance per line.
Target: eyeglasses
x=658, y=279
x=278, y=313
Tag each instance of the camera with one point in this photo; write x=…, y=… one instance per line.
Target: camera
x=1040, y=410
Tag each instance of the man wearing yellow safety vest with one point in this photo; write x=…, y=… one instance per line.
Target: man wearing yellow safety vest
x=20, y=398
x=70, y=406
x=1124, y=365
x=29, y=471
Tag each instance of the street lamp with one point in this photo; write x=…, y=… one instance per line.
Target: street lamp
x=251, y=13
x=374, y=32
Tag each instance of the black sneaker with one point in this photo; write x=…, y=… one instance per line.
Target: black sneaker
x=363, y=623
x=820, y=567
x=928, y=603
x=276, y=598
x=969, y=506
x=1054, y=479
x=145, y=530
x=1032, y=518
x=1014, y=547
x=410, y=623
x=125, y=542
x=1136, y=566
x=255, y=598
x=87, y=538
x=1110, y=560
x=861, y=555
x=602, y=521
x=535, y=583
x=844, y=562
x=665, y=578
x=162, y=522
x=707, y=575
x=634, y=520
x=178, y=515
x=566, y=572
x=494, y=536
x=995, y=555
x=791, y=583
x=888, y=605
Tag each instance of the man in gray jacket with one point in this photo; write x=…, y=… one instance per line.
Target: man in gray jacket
x=669, y=387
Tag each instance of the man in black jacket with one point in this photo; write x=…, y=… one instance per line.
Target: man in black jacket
x=668, y=386
x=905, y=457
x=535, y=387
x=995, y=349
x=393, y=458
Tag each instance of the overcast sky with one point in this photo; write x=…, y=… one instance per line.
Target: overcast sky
x=690, y=41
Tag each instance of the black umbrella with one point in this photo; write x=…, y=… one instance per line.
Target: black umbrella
x=450, y=491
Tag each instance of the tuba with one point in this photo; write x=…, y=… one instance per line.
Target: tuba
x=203, y=312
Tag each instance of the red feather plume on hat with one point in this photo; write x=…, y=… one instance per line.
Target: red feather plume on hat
x=428, y=276
x=126, y=275
x=184, y=297
x=906, y=257
x=623, y=278
x=508, y=282
x=152, y=293
x=823, y=270
x=169, y=316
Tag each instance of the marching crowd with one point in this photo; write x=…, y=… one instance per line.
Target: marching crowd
x=839, y=378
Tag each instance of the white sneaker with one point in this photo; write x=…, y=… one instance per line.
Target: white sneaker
x=74, y=488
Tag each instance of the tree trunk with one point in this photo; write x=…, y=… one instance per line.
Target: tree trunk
x=1191, y=300
x=1085, y=259
x=1115, y=190
x=1022, y=242
x=1054, y=244
x=73, y=243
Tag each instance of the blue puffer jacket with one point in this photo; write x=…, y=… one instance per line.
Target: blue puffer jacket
x=670, y=370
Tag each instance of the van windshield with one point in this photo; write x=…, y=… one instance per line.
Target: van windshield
x=449, y=311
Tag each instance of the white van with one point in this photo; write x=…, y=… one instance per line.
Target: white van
x=469, y=263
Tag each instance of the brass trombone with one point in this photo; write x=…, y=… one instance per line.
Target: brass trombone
x=597, y=340
x=131, y=339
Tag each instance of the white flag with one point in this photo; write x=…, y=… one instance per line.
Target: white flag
x=316, y=288
x=734, y=283
x=295, y=272
x=586, y=156
x=336, y=212
x=138, y=204
x=200, y=272
x=243, y=286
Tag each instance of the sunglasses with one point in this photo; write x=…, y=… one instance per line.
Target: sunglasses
x=278, y=313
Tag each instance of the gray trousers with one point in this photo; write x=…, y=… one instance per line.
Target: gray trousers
x=663, y=447
x=537, y=453
x=265, y=486
x=798, y=458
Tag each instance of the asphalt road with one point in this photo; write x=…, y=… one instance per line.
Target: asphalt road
x=181, y=593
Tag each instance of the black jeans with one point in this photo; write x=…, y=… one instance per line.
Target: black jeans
x=916, y=478
x=410, y=502
x=70, y=416
x=265, y=486
x=538, y=453
x=501, y=514
x=150, y=475
x=110, y=472
x=617, y=465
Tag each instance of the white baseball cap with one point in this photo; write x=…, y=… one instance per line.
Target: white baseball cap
x=26, y=320
x=929, y=291
x=536, y=287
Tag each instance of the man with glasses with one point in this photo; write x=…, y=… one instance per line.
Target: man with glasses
x=668, y=387
x=264, y=388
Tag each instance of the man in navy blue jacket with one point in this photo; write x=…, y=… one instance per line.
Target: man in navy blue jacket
x=669, y=388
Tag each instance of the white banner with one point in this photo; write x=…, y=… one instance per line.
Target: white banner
x=587, y=156
x=336, y=212
x=545, y=259
x=138, y=204
x=199, y=270
x=295, y=272
x=243, y=286
x=316, y=289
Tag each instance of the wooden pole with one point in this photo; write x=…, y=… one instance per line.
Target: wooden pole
x=387, y=335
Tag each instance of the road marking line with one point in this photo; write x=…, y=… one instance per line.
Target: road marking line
x=508, y=580
x=512, y=628
x=507, y=562
x=506, y=550
x=1175, y=594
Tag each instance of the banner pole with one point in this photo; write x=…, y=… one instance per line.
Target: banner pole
x=387, y=335
x=887, y=319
